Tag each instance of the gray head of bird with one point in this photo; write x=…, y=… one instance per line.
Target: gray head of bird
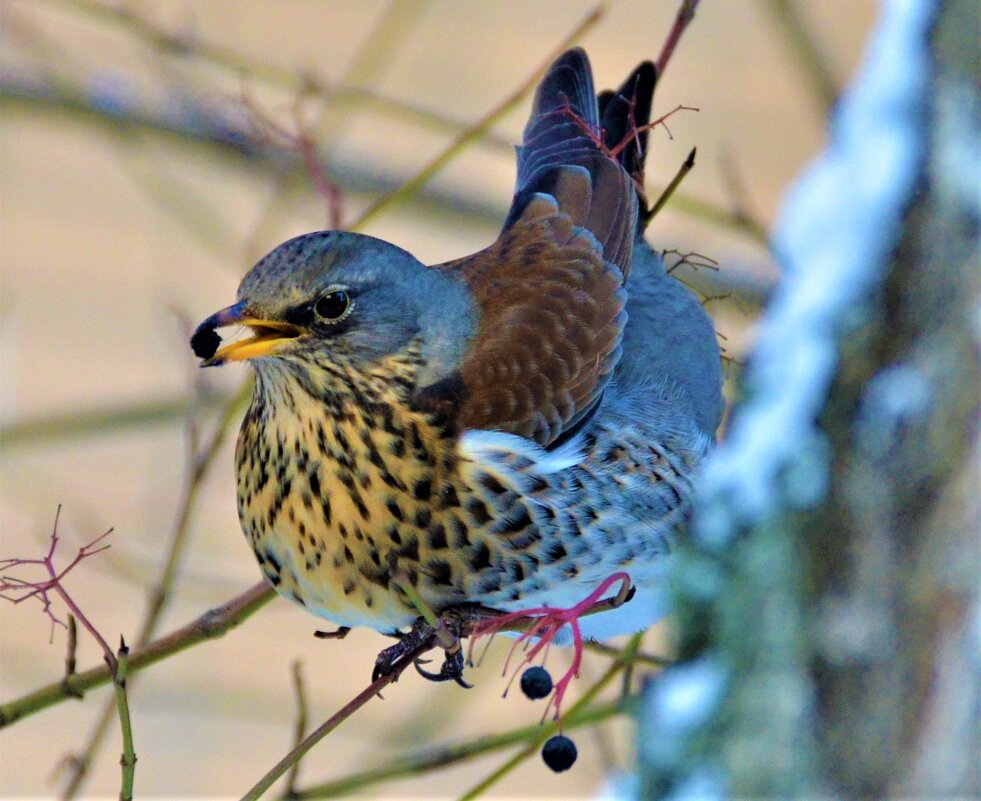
x=339, y=296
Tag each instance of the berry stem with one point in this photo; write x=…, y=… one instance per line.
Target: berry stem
x=550, y=729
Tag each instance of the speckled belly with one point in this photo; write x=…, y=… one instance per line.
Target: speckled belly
x=342, y=505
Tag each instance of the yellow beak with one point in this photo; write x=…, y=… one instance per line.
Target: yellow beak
x=267, y=337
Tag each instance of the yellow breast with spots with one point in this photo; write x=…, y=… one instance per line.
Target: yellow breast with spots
x=342, y=492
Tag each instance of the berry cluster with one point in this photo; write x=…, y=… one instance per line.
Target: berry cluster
x=559, y=752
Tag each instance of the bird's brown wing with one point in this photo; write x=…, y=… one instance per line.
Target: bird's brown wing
x=549, y=292
x=551, y=320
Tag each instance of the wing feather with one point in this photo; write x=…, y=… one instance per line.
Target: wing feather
x=550, y=291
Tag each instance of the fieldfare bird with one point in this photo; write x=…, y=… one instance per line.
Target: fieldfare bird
x=502, y=432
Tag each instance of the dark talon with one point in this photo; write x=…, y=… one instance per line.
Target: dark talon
x=426, y=674
x=422, y=637
x=452, y=670
x=384, y=665
x=339, y=634
x=453, y=667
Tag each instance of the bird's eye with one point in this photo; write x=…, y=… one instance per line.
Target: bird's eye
x=334, y=306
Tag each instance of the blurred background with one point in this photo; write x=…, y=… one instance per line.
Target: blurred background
x=149, y=154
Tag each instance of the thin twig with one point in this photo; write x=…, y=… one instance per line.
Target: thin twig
x=70, y=657
x=714, y=214
x=302, y=142
x=62, y=426
x=75, y=105
x=214, y=623
x=804, y=48
x=300, y=728
x=128, y=760
x=686, y=13
x=18, y=590
x=375, y=54
x=435, y=758
x=639, y=657
x=424, y=609
x=735, y=188
x=696, y=261
x=475, y=133
x=669, y=190
x=72, y=648
x=549, y=729
x=239, y=62
x=318, y=734
x=379, y=48
x=160, y=595
x=360, y=700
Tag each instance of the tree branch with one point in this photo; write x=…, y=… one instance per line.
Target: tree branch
x=476, y=132
x=211, y=625
x=198, y=464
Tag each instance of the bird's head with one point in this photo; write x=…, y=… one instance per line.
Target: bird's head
x=340, y=296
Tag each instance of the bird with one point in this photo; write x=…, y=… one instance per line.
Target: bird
x=502, y=432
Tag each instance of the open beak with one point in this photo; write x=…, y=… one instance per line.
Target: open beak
x=267, y=337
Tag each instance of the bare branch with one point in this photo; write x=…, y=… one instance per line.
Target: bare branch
x=681, y=21
x=300, y=727
x=211, y=625
x=476, y=132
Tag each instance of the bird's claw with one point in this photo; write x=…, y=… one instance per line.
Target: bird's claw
x=421, y=638
x=452, y=669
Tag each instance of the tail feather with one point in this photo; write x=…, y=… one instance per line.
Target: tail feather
x=624, y=116
x=564, y=156
x=569, y=80
x=588, y=153
x=626, y=109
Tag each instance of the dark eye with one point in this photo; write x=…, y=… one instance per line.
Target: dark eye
x=334, y=306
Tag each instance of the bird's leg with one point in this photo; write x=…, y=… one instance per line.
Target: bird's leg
x=458, y=622
x=451, y=622
x=429, y=631
x=452, y=625
x=406, y=651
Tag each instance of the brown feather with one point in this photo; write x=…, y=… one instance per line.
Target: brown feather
x=551, y=318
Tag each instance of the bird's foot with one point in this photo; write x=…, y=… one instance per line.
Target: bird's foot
x=453, y=624
x=540, y=626
x=452, y=669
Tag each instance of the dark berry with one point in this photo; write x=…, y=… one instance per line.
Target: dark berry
x=559, y=753
x=536, y=683
x=205, y=342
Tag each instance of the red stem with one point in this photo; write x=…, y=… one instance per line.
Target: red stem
x=110, y=657
x=685, y=15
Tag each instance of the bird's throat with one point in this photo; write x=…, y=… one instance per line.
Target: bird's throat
x=340, y=486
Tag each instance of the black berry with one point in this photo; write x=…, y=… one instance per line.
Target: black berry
x=559, y=753
x=205, y=342
x=536, y=683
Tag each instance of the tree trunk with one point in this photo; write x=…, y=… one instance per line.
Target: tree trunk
x=829, y=597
